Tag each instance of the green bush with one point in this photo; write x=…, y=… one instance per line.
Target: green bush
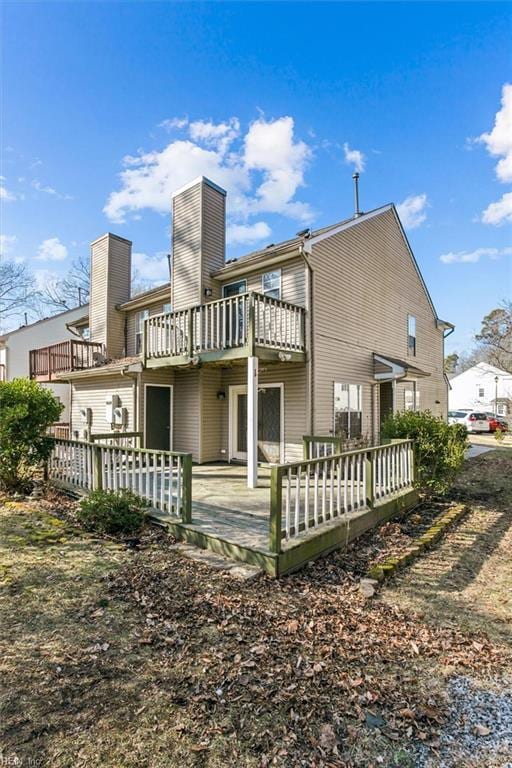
x=26, y=412
x=439, y=448
x=112, y=512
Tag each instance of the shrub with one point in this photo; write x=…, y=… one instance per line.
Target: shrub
x=26, y=412
x=439, y=448
x=112, y=512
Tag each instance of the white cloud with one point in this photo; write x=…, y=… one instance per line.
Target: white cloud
x=354, y=157
x=153, y=269
x=45, y=278
x=39, y=187
x=6, y=194
x=412, y=210
x=246, y=234
x=261, y=170
x=499, y=144
x=499, y=212
x=499, y=140
x=173, y=122
x=52, y=249
x=472, y=257
x=7, y=243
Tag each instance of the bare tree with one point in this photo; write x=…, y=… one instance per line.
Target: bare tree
x=17, y=289
x=69, y=292
x=495, y=336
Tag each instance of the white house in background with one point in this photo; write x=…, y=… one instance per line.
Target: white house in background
x=482, y=387
x=58, y=332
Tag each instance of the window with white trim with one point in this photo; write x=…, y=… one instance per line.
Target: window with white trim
x=139, y=329
x=481, y=392
x=167, y=307
x=412, y=398
x=348, y=410
x=411, y=335
x=271, y=284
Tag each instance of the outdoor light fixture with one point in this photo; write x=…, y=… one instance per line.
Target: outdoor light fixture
x=207, y=292
x=221, y=395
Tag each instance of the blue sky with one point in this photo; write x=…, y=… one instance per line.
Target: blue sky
x=108, y=107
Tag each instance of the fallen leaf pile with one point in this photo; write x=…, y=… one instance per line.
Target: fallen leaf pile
x=297, y=666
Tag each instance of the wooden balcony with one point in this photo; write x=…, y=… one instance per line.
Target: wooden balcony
x=246, y=325
x=70, y=355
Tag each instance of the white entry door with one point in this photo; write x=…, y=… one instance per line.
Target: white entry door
x=270, y=423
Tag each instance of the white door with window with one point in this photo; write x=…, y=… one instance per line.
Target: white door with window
x=270, y=423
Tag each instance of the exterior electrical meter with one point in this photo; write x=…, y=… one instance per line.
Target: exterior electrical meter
x=111, y=403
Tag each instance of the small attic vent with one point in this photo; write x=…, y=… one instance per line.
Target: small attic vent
x=270, y=245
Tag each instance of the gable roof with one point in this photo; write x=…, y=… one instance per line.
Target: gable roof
x=4, y=336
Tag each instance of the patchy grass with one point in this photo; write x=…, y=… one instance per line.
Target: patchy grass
x=117, y=656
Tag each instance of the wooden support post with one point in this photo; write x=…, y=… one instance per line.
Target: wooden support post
x=276, y=504
x=190, y=345
x=145, y=342
x=252, y=422
x=186, y=469
x=251, y=325
x=97, y=469
x=370, y=496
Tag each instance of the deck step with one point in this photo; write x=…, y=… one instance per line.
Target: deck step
x=241, y=571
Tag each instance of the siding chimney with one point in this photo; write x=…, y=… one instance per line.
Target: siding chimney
x=198, y=242
x=111, y=263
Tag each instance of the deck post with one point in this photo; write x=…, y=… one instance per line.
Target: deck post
x=370, y=497
x=97, y=475
x=186, y=514
x=276, y=502
x=252, y=422
x=190, y=344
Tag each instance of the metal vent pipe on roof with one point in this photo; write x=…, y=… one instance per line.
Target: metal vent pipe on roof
x=357, y=212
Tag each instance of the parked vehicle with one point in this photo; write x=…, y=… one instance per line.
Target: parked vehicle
x=497, y=422
x=474, y=421
x=457, y=417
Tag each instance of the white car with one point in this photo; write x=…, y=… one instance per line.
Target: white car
x=474, y=421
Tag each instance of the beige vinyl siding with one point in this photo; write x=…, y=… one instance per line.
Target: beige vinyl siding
x=211, y=414
x=92, y=393
x=293, y=280
x=110, y=285
x=293, y=376
x=364, y=286
x=186, y=247
x=186, y=427
x=213, y=238
x=131, y=324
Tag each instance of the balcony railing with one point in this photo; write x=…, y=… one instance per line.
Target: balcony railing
x=70, y=355
x=242, y=322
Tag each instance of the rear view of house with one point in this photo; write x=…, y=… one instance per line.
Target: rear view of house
x=238, y=360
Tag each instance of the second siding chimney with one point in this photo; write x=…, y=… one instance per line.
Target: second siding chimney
x=198, y=241
x=111, y=263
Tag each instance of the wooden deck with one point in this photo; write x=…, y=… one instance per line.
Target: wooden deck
x=233, y=520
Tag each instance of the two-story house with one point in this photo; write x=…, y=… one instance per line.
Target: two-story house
x=42, y=349
x=237, y=360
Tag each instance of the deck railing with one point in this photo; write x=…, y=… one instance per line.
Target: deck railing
x=163, y=478
x=70, y=355
x=245, y=320
x=59, y=429
x=119, y=439
x=316, y=446
x=306, y=494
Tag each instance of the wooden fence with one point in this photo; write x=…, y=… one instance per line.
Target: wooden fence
x=119, y=439
x=315, y=447
x=163, y=478
x=306, y=494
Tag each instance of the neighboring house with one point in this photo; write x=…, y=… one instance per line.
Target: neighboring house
x=26, y=351
x=482, y=387
x=323, y=334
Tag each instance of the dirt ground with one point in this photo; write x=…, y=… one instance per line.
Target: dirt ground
x=129, y=654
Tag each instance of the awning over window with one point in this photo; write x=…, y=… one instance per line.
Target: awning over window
x=390, y=369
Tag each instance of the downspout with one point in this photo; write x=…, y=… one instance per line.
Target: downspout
x=310, y=353
x=136, y=379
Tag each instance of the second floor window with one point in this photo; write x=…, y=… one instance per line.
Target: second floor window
x=348, y=410
x=481, y=392
x=411, y=334
x=271, y=284
x=139, y=329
